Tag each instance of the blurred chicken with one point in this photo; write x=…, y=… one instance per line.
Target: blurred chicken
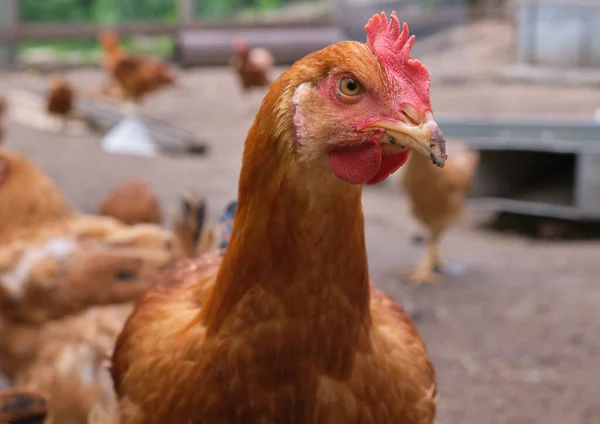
x=69, y=369
x=70, y=365
x=55, y=261
x=253, y=66
x=60, y=99
x=139, y=76
x=111, y=53
x=437, y=197
x=111, y=49
x=66, y=283
x=20, y=406
x=136, y=76
x=132, y=203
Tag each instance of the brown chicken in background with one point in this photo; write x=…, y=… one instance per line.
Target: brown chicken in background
x=139, y=76
x=18, y=406
x=70, y=368
x=132, y=203
x=60, y=100
x=286, y=323
x=253, y=66
x=111, y=49
x=70, y=363
x=111, y=54
x=55, y=262
x=437, y=197
x=135, y=76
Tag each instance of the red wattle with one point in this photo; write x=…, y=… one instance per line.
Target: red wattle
x=389, y=165
x=356, y=164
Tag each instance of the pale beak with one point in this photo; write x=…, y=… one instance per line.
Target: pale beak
x=424, y=138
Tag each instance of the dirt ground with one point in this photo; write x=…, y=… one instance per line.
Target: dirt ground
x=514, y=340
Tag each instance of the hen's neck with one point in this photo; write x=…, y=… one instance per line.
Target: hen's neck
x=296, y=254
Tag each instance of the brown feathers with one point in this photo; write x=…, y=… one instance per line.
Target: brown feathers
x=28, y=198
x=139, y=76
x=283, y=329
x=60, y=98
x=132, y=203
x=253, y=66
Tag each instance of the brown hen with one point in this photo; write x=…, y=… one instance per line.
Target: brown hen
x=56, y=262
x=437, y=197
x=135, y=75
x=285, y=328
x=139, y=76
x=253, y=66
x=60, y=98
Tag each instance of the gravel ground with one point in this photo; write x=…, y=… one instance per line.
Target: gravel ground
x=515, y=340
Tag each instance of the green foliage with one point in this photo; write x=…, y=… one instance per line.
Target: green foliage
x=114, y=11
x=102, y=11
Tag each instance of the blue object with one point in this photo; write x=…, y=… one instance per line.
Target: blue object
x=226, y=224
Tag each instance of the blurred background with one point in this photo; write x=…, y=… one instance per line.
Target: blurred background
x=513, y=327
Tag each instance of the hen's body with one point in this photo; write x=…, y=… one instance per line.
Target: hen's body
x=272, y=362
x=139, y=76
x=438, y=205
x=284, y=330
x=60, y=97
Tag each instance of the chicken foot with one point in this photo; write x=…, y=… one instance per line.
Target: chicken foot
x=424, y=273
x=431, y=264
x=130, y=108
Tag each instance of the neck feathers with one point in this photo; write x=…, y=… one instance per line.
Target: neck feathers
x=298, y=235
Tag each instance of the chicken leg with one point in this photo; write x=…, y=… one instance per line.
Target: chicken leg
x=131, y=108
x=431, y=261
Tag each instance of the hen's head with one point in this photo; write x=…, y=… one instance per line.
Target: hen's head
x=363, y=106
x=240, y=46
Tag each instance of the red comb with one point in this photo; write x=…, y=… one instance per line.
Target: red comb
x=393, y=47
x=240, y=45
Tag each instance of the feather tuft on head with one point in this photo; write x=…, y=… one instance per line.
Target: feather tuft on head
x=393, y=46
x=240, y=45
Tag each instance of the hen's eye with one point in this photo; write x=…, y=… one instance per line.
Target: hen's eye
x=350, y=87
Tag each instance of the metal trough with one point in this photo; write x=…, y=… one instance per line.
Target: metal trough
x=542, y=168
x=105, y=116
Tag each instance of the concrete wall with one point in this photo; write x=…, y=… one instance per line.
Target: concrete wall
x=558, y=33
